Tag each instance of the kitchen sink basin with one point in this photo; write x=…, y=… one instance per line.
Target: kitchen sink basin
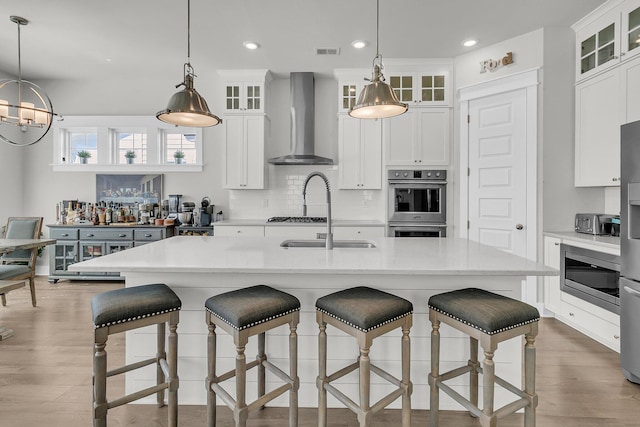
x=321, y=244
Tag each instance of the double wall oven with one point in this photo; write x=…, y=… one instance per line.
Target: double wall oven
x=417, y=203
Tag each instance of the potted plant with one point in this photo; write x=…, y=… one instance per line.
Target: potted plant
x=84, y=156
x=179, y=157
x=130, y=155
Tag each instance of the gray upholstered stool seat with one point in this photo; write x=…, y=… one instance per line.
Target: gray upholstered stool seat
x=125, y=309
x=487, y=318
x=243, y=313
x=365, y=314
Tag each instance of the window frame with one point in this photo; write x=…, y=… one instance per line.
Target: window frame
x=107, y=147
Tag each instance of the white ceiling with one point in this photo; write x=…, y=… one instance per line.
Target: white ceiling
x=69, y=39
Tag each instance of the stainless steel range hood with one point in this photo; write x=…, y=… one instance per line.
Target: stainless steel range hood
x=302, y=124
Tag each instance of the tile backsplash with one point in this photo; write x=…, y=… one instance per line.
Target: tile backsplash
x=284, y=197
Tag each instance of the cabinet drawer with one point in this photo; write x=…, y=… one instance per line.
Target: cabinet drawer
x=64, y=233
x=601, y=330
x=105, y=234
x=243, y=230
x=148, y=234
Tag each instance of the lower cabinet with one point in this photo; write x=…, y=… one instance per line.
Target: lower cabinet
x=595, y=322
x=238, y=230
x=81, y=243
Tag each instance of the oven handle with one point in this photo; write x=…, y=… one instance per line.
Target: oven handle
x=415, y=182
x=632, y=291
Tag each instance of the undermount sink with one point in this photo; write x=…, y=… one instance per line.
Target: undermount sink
x=321, y=244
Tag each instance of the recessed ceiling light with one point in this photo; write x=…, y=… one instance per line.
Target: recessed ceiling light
x=359, y=44
x=469, y=43
x=251, y=45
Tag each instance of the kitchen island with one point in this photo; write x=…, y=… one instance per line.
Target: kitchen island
x=413, y=268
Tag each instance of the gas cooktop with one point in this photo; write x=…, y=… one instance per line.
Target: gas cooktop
x=305, y=219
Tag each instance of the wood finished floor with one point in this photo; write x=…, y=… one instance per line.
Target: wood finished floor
x=45, y=375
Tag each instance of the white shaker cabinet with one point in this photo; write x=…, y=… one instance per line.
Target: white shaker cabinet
x=245, y=156
x=420, y=137
x=597, y=147
x=244, y=90
x=360, y=153
x=630, y=81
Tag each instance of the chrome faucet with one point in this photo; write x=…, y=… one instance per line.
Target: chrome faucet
x=329, y=236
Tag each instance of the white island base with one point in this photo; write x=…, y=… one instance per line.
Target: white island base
x=199, y=267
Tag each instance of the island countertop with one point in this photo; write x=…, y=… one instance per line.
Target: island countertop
x=411, y=256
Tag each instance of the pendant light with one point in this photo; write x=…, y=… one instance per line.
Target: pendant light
x=377, y=100
x=188, y=107
x=25, y=109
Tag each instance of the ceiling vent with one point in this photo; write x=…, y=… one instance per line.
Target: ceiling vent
x=328, y=51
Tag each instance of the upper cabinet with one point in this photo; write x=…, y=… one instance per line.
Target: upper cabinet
x=246, y=127
x=244, y=90
x=420, y=83
x=607, y=36
x=360, y=151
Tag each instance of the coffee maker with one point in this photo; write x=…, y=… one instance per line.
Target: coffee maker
x=206, y=212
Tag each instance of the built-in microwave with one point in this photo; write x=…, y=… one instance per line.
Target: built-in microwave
x=591, y=275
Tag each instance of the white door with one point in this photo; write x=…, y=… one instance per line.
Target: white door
x=497, y=180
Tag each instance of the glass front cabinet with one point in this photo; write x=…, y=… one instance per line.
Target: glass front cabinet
x=606, y=37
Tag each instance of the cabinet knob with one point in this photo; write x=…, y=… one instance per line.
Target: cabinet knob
x=147, y=235
x=122, y=235
x=556, y=243
x=90, y=235
x=616, y=337
x=65, y=235
x=238, y=231
x=571, y=314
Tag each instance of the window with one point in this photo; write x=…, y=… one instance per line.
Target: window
x=125, y=144
x=130, y=142
x=184, y=143
x=82, y=141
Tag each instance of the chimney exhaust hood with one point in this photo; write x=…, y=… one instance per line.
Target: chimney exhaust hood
x=302, y=124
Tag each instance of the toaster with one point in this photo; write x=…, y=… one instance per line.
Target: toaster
x=593, y=223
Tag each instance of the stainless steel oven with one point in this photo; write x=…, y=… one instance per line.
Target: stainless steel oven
x=591, y=275
x=417, y=203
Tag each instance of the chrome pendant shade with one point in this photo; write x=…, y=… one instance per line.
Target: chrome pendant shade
x=188, y=107
x=377, y=100
x=26, y=111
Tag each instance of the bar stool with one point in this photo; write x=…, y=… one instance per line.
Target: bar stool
x=243, y=313
x=131, y=308
x=365, y=314
x=490, y=319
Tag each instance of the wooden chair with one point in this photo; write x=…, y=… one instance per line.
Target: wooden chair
x=20, y=265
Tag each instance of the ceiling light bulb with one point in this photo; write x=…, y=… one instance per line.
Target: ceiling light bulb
x=251, y=45
x=469, y=43
x=359, y=44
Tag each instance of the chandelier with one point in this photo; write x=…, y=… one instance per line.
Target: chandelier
x=26, y=111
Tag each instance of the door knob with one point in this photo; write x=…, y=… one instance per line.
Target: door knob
x=519, y=227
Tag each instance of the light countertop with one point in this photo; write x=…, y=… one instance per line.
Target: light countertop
x=414, y=256
x=602, y=240
x=334, y=222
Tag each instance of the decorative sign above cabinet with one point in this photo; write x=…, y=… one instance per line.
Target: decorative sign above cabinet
x=494, y=64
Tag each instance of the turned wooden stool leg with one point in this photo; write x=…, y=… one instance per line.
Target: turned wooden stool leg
x=240, y=413
x=406, y=376
x=530, y=380
x=100, y=379
x=473, y=375
x=488, y=377
x=365, y=387
x=434, y=402
x=173, y=370
x=160, y=354
x=293, y=373
x=261, y=370
x=211, y=375
x=322, y=375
